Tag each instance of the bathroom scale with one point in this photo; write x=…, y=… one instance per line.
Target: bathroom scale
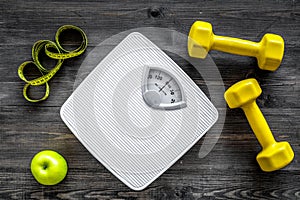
x=138, y=112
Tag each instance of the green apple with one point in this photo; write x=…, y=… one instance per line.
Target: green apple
x=48, y=167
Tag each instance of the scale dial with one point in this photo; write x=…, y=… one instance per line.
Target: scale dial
x=162, y=90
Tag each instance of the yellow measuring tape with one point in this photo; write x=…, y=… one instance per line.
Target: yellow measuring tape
x=60, y=54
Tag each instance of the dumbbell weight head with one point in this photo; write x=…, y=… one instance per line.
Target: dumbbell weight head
x=243, y=92
x=200, y=39
x=275, y=156
x=271, y=52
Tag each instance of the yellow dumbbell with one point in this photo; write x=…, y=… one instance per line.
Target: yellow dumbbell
x=269, y=51
x=274, y=155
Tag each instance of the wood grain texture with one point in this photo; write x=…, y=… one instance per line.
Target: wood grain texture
x=228, y=172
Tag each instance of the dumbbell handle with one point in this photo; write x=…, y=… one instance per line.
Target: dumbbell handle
x=259, y=124
x=235, y=45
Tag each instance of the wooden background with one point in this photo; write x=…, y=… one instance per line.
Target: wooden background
x=229, y=170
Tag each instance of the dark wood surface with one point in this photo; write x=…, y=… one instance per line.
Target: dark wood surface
x=228, y=171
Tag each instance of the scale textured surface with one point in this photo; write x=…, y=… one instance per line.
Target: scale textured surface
x=109, y=116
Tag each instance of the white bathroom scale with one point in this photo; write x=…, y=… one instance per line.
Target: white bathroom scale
x=138, y=112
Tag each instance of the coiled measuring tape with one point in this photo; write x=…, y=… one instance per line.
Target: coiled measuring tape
x=59, y=55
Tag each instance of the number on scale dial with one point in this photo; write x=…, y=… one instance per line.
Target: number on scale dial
x=162, y=90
